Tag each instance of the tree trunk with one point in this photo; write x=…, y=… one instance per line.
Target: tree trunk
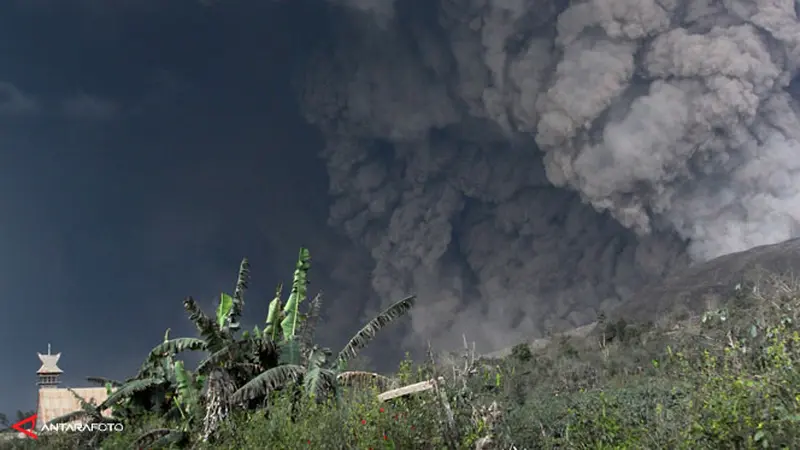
x=218, y=402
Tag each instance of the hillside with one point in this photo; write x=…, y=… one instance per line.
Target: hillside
x=722, y=378
x=708, y=285
x=696, y=289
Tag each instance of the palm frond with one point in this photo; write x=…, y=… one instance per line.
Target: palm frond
x=360, y=378
x=101, y=381
x=291, y=311
x=317, y=357
x=149, y=368
x=224, y=308
x=128, y=389
x=274, y=315
x=309, y=326
x=368, y=333
x=85, y=405
x=268, y=381
x=177, y=345
x=155, y=366
x=290, y=352
x=318, y=382
x=242, y=282
x=188, y=394
x=216, y=359
x=205, y=325
x=267, y=353
x=72, y=417
x=265, y=345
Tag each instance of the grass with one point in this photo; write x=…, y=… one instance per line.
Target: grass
x=727, y=379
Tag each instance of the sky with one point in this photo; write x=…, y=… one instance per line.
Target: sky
x=142, y=155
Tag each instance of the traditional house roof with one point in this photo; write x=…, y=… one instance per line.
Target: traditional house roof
x=49, y=363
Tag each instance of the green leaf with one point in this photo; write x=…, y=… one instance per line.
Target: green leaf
x=310, y=322
x=217, y=359
x=318, y=381
x=266, y=382
x=242, y=282
x=186, y=389
x=366, y=334
x=101, y=381
x=224, y=309
x=129, y=389
x=206, y=325
x=273, y=327
x=177, y=345
x=80, y=414
x=290, y=352
x=318, y=358
x=291, y=311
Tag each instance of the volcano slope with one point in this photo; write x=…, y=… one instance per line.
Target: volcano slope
x=712, y=284
x=703, y=287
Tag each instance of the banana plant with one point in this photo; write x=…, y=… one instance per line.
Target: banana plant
x=291, y=317
x=151, y=387
x=319, y=373
x=274, y=316
x=285, y=322
x=187, y=400
x=217, y=333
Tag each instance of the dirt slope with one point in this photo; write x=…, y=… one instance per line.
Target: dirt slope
x=707, y=285
x=698, y=288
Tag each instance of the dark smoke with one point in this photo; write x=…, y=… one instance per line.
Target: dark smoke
x=523, y=165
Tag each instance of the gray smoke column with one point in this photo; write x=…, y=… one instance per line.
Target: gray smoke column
x=522, y=165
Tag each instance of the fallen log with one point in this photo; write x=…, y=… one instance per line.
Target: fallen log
x=422, y=386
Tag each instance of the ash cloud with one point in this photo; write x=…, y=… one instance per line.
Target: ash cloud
x=524, y=166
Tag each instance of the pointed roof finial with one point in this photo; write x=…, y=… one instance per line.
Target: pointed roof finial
x=49, y=362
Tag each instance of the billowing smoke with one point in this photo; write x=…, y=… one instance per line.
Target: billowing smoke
x=523, y=165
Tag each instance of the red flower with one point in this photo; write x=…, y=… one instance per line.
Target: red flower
x=363, y=422
x=380, y=410
x=385, y=437
x=309, y=442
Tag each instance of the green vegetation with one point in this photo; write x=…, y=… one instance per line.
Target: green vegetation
x=728, y=379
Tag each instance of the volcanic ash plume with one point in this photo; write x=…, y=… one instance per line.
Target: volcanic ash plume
x=522, y=165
